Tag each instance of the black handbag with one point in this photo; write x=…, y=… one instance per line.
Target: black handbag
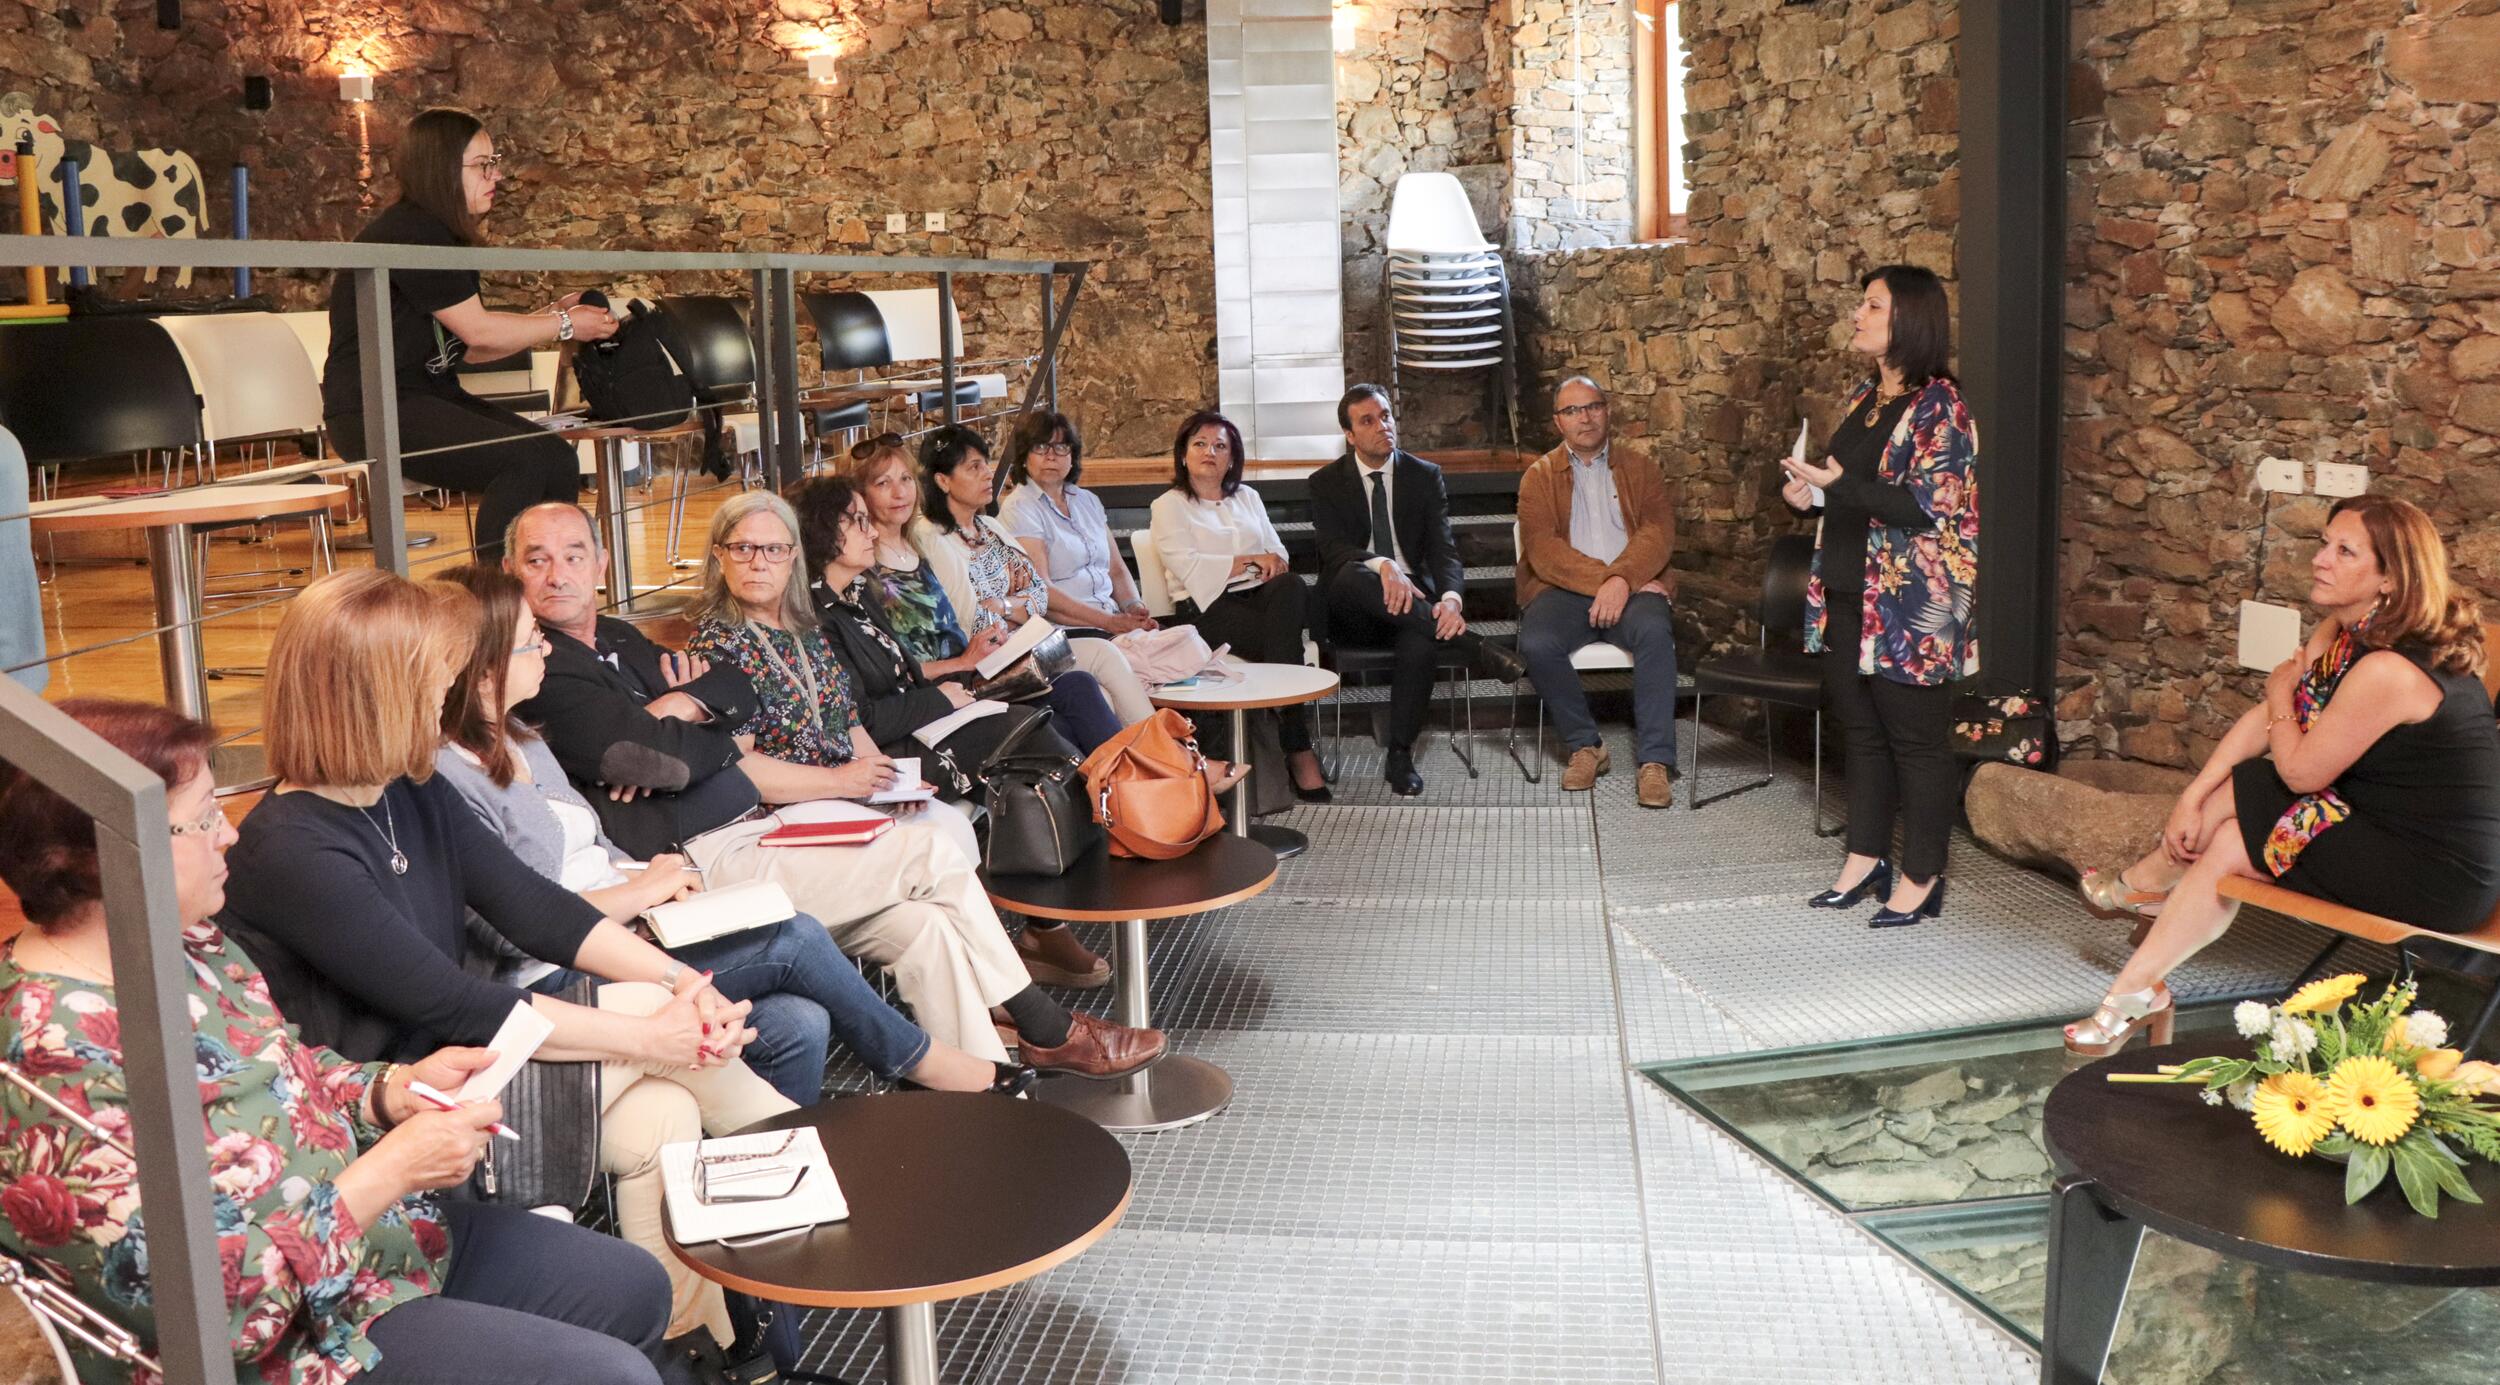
x=2010, y=725
x=633, y=377
x=1040, y=821
x=555, y=1106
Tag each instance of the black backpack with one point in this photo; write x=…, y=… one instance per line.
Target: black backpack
x=632, y=377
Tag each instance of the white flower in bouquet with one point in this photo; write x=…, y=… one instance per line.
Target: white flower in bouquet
x=2210, y=1097
x=2425, y=1029
x=2243, y=1095
x=2252, y=1018
x=2292, y=1039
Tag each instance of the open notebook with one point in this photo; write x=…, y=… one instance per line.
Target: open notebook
x=709, y=914
x=816, y=1199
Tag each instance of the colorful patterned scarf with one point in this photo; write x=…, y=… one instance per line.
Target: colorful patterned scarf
x=2313, y=813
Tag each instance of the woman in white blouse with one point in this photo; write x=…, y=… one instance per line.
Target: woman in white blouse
x=987, y=578
x=1228, y=570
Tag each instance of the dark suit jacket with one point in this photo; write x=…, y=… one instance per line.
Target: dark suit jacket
x=591, y=712
x=1341, y=512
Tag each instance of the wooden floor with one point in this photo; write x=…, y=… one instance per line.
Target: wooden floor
x=90, y=601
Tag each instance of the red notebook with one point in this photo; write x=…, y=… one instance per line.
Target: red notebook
x=827, y=822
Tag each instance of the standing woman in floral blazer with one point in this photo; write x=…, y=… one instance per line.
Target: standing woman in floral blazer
x=1892, y=602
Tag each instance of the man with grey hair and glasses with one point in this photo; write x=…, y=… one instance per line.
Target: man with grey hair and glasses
x=1596, y=531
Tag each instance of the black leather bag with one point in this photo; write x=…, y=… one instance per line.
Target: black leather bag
x=555, y=1106
x=1040, y=822
x=631, y=377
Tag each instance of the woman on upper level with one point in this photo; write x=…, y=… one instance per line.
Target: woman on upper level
x=2369, y=775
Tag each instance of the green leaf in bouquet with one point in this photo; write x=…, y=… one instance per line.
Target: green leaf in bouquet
x=2365, y=1170
x=2415, y=1174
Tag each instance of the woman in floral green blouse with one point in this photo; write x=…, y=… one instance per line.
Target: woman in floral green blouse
x=340, y=1263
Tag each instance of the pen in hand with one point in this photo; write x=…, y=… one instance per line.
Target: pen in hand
x=426, y=1093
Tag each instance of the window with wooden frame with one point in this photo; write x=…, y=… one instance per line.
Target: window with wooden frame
x=1658, y=118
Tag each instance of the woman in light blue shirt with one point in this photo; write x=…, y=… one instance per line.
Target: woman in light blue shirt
x=1062, y=528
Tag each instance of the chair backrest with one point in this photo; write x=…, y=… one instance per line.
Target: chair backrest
x=95, y=387
x=313, y=330
x=720, y=357
x=1153, y=587
x=1783, y=610
x=850, y=333
x=1429, y=213
x=253, y=378
x=911, y=324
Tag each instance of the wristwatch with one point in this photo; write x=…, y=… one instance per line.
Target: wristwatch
x=564, y=325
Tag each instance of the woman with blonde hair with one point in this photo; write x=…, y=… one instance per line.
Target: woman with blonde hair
x=2368, y=776
x=354, y=877
x=805, y=741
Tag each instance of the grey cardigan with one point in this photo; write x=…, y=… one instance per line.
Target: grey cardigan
x=519, y=814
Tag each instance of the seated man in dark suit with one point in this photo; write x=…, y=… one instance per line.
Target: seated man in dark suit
x=647, y=737
x=1389, y=568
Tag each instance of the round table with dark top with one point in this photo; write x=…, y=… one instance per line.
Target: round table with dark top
x=2133, y=1155
x=940, y=1187
x=1103, y=888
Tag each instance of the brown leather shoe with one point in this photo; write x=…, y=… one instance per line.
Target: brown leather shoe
x=1657, y=786
x=1055, y=958
x=1587, y=763
x=1096, y=1048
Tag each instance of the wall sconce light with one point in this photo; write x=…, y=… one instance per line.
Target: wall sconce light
x=1344, y=22
x=820, y=69
x=355, y=86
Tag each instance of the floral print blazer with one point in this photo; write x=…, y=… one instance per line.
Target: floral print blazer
x=283, y=1119
x=1921, y=601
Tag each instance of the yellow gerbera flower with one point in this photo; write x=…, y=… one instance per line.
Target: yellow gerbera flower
x=2373, y=1100
x=2320, y=996
x=2293, y=1111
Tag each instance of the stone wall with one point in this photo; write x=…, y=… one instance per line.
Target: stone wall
x=1040, y=127
x=2281, y=244
x=1821, y=142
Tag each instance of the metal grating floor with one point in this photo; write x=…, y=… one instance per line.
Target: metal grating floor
x=1440, y=1165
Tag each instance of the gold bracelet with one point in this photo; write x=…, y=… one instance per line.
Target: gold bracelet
x=382, y=1118
x=2272, y=722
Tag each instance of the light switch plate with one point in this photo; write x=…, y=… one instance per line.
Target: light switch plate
x=2280, y=475
x=2342, y=478
x=934, y=221
x=898, y=222
x=2269, y=634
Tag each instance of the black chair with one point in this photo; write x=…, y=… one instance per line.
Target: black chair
x=850, y=332
x=720, y=368
x=1778, y=673
x=967, y=396
x=97, y=387
x=1354, y=664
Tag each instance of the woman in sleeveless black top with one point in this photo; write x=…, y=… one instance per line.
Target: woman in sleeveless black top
x=2369, y=776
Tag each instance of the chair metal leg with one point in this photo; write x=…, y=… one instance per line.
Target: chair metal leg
x=1692, y=782
x=1838, y=827
x=1536, y=747
x=2491, y=1007
x=2334, y=945
x=1464, y=749
x=1770, y=761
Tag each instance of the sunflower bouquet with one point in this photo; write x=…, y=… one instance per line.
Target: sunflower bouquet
x=2372, y=1084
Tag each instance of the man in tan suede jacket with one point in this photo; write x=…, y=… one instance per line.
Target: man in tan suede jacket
x=1595, y=532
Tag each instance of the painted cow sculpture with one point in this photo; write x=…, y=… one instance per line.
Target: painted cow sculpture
x=148, y=193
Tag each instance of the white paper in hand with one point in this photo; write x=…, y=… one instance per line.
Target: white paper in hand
x=1798, y=454
x=522, y=1032
x=907, y=786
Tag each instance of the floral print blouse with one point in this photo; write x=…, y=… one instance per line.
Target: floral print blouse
x=788, y=724
x=1920, y=607
x=915, y=606
x=283, y=1119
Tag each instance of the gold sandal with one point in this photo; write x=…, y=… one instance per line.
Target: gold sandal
x=2109, y=892
x=2108, y=1028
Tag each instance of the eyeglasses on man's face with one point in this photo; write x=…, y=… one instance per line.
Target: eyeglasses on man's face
x=1576, y=412
x=774, y=554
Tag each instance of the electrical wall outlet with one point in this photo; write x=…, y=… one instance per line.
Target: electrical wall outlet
x=896, y=223
x=2269, y=634
x=934, y=221
x=2342, y=478
x=2281, y=475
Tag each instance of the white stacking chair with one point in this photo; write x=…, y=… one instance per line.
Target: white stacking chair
x=1154, y=587
x=255, y=384
x=1445, y=289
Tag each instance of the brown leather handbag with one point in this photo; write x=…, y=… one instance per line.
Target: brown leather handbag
x=1149, y=787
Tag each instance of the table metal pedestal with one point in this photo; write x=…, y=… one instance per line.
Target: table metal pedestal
x=1177, y=1090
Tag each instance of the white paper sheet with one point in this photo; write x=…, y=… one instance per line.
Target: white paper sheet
x=522, y=1032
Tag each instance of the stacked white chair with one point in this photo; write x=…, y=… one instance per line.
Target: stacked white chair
x=1446, y=290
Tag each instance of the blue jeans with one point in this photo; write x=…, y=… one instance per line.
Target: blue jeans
x=806, y=993
x=1557, y=623
x=1080, y=711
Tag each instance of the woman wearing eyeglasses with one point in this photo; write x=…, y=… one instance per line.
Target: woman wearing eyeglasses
x=806, y=741
x=448, y=173
x=1062, y=528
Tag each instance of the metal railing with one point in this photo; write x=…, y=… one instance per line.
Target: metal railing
x=128, y=802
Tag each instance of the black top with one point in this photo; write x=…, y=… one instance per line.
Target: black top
x=1341, y=515
x=424, y=354
x=895, y=698
x=590, y=709
x=939, y=1185
x=1858, y=500
x=2201, y=1174
x=368, y=961
x=2435, y=785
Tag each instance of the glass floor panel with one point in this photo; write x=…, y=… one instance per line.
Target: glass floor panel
x=2194, y=1316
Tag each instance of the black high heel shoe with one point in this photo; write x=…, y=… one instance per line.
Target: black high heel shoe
x=1877, y=882
x=1014, y=1079
x=1928, y=908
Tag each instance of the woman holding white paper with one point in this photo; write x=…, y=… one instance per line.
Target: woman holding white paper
x=338, y=1263
x=803, y=989
x=353, y=880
